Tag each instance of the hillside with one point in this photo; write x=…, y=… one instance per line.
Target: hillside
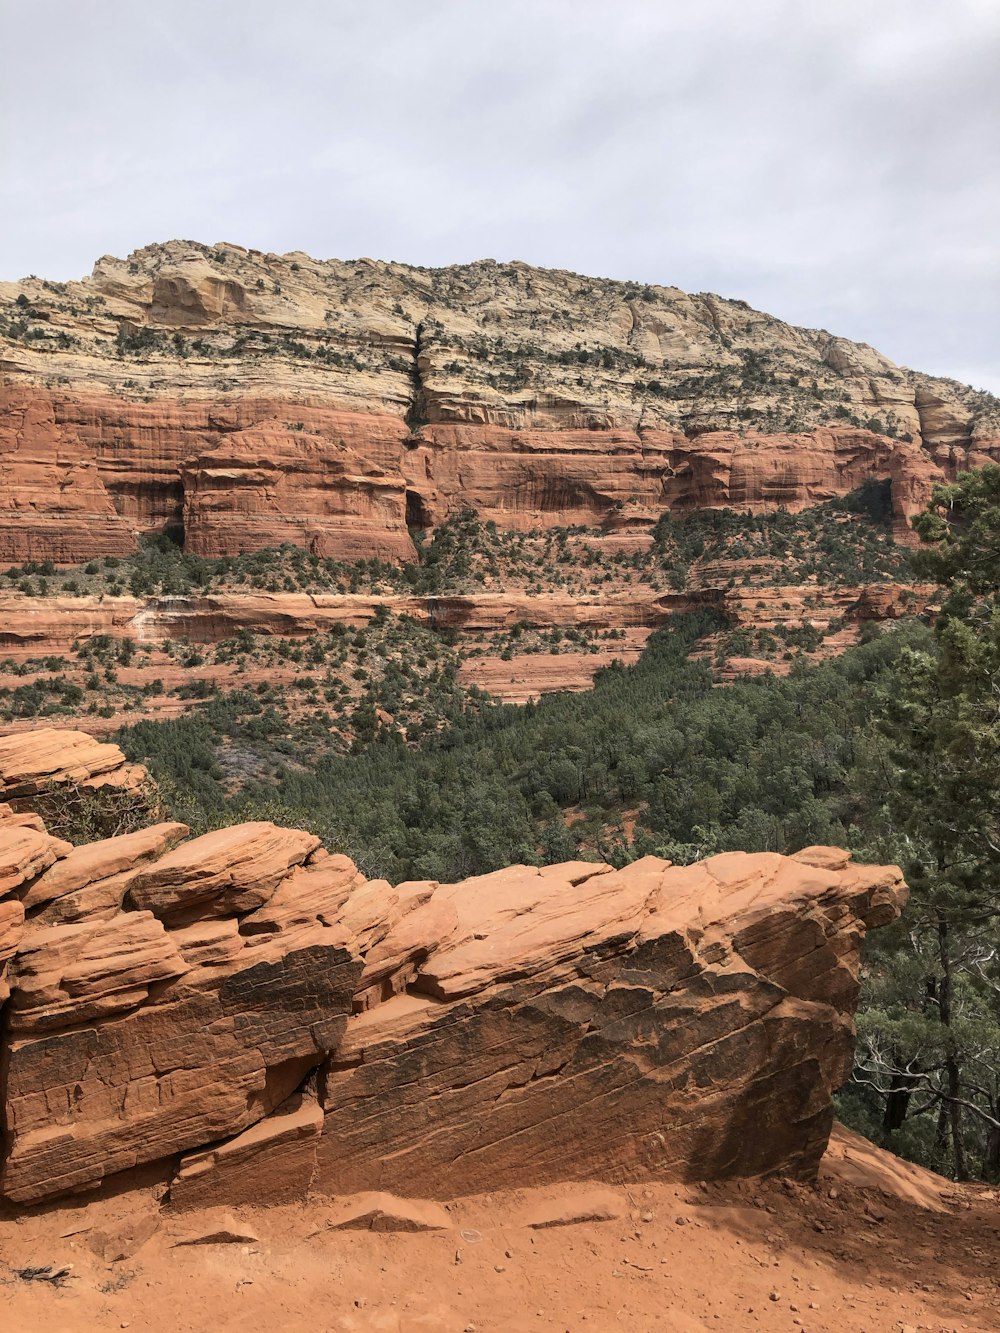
x=520, y=458
x=244, y=400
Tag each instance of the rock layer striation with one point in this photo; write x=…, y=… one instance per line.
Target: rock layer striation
x=250, y=1010
x=244, y=400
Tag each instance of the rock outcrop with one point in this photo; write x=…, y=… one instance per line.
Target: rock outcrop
x=128, y=1038
x=35, y=627
x=33, y=762
x=249, y=1007
x=247, y=399
x=579, y=1022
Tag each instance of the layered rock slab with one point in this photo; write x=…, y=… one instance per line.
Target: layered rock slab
x=32, y=762
x=677, y=1022
x=128, y=1038
x=252, y=1001
x=274, y=1160
x=207, y=1055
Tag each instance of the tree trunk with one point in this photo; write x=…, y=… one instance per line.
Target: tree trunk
x=953, y=1073
x=991, y=1157
x=940, y=1139
x=897, y=1099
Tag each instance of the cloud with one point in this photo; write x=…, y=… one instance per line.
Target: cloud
x=836, y=165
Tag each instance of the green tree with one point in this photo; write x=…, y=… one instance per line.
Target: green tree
x=930, y=1033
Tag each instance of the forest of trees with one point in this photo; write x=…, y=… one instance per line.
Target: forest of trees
x=892, y=750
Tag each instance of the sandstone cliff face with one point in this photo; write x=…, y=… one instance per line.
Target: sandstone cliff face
x=329, y=482
x=257, y=398
x=85, y=476
x=252, y=1001
x=32, y=627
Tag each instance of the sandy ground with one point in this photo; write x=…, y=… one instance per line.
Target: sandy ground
x=877, y=1245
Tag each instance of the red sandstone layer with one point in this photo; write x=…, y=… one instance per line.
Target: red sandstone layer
x=83, y=476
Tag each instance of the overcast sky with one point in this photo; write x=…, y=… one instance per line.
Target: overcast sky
x=835, y=164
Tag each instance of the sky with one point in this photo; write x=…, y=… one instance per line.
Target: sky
x=837, y=164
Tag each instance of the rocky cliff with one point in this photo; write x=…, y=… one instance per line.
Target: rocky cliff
x=249, y=1012
x=248, y=399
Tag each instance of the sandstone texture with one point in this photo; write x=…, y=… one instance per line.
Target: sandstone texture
x=247, y=399
x=30, y=763
x=582, y=1023
x=250, y=1010
x=124, y=1045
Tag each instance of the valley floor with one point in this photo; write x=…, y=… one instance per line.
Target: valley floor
x=878, y=1245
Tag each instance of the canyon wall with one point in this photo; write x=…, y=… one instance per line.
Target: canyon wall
x=32, y=628
x=244, y=400
x=250, y=1014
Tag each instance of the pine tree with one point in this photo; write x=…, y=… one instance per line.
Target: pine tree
x=930, y=1036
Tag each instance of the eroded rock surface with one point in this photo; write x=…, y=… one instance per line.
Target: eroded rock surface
x=140, y=1021
x=578, y=1023
x=251, y=1001
x=33, y=761
x=259, y=398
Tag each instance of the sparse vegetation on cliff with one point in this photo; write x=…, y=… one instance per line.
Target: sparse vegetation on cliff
x=842, y=544
x=531, y=344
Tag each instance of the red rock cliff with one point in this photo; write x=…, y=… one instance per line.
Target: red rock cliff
x=252, y=399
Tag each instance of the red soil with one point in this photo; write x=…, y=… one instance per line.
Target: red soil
x=878, y=1245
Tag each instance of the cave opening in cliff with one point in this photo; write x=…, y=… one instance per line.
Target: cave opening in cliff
x=417, y=514
x=873, y=498
x=173, y=533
